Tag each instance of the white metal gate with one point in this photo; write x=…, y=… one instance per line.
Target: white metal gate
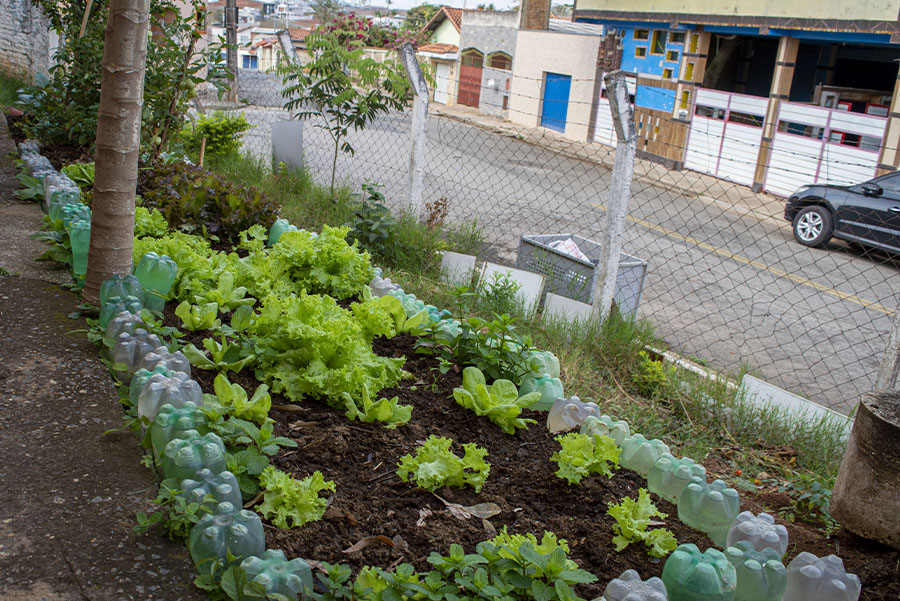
x=725, y=134
x=813, y=144
x=604, y=129
x=441, y=83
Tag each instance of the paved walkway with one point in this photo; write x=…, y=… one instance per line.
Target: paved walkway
x=68, y=494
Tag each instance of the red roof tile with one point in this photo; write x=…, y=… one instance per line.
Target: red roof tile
x=446, y=12
x=298, y=35
x=439, y=48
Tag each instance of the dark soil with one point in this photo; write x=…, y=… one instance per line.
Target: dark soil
x=371, y=500
x=59, y=154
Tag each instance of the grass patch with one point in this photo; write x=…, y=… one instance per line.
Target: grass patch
x=10, y=84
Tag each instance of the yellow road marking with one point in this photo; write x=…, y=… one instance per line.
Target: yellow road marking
x=761, y=266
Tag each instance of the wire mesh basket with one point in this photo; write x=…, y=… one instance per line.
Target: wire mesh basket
x=573, y=278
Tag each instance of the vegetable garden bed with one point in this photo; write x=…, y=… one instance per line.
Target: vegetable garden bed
x=375, y=519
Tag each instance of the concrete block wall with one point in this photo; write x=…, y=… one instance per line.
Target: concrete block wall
x=491, y=32
x=24, y=38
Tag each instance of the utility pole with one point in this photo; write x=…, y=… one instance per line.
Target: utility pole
x=619, y=194
x=231, y=18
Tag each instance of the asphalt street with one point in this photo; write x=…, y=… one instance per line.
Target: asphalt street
x=724, y=286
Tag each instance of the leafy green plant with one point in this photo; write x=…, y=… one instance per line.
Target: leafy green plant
x=500, y=402
x=224, y=355
x=290, y=503
x=581, y=455
x=810, y=500
x=236, y=431
x=632, y=520
x=149, y=223
x=402, y=324
x=342, y=88
x=175, y=516
x=225, y=295
x=651, y=377
x=371, y=223
x=32, y=188
x=500, y=293
x=81, y=173
x=435, y=465
x=196, y=200
x=246, y=465
x=223, y=133
x=232, y=399
x=382, y=410
x=198, y=317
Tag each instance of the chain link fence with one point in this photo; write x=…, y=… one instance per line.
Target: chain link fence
x=726, y=284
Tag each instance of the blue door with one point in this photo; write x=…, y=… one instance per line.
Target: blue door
x=556, y=101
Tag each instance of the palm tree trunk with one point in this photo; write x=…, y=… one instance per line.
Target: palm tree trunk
x=118, y=143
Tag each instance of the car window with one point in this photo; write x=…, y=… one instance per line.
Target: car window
x=890, y=182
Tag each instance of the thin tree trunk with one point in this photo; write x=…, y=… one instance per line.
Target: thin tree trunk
x=118, y=143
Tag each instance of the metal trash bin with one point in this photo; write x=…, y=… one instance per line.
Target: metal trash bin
x=574, y=278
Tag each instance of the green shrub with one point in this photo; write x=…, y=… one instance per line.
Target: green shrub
x=223, y=133
x=194, y=199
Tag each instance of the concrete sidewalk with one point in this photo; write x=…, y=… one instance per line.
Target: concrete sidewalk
x=688, y=183
x=68, y=493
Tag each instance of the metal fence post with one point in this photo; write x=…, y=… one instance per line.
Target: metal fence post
x=619, y=193
x=890, y=361
x=419, y=128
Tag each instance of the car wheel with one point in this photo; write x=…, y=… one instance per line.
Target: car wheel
x=812, y=226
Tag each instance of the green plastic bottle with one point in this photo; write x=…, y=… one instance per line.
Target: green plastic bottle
x=710, y=508
x=605, y=425
x=114, y=306
x=184, y=456
x=121, y=286
x=277, y=230
x=230, y=532
x=293, y=578
x=222, y=487
x=670, y=476
x=80, y=238
x=156, y=274
x=639, y=454
x=172, y=422
x=760, y=574
x=550, y=388
x=140, y=378
x=693, y=576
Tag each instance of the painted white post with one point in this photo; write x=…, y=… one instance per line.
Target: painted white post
x=619, y=193
x=890, y=361
x=287, y=46
x=419, y=128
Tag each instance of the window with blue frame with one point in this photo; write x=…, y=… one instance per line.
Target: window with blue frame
x=250, y=62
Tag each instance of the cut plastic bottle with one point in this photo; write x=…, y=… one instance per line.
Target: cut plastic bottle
x=156, y=274
x=544, y=362
x=760, y=530
x=670, y=476
x=124, y=321
x=183, y=457
x=80, y=239
x=760, y=574
x=630, y=587
x=811, y=578
x=568, y=414
x=175, y=390
x=709, y=508
x=140, y=377
x=172, y=422
x=690, y=575
x=550, y=388
x=222, y=487
x=639, y=454
x=115, y=306
x=131, y=350
x=277, y=230
x=605, y=425
x=229, y=532
x=121, y=287
x=293, y=578
x=162, y=356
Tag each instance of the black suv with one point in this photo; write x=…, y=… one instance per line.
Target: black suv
x=866, y=213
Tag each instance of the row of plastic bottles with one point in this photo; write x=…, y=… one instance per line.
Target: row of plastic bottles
x=739, y=574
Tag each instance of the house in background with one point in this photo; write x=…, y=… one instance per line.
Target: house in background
x=766, y=95
x=442, y=52
x=554, y=77
x=487, y=44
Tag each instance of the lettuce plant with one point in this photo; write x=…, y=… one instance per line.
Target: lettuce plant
x=227, y=355
x=382, y=410
x=500, y=402
x=581, y=455
x=233, y=400
x=226, y=295
x=290, y=503
x=435, y=465
x=198, y=317
x=632, y=519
